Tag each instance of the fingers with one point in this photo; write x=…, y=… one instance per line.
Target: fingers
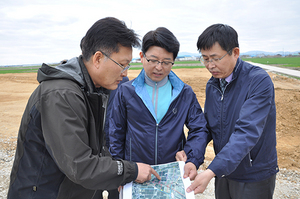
x=193, y=174
x=181, y=156
x=201, y=181
x=120, y=188
x=190, y=189
x=199, y=190
x=144, y=173
x=193, y=170
x=190, y=171
x=186, y=172
x=155, y=174
x=196, y=186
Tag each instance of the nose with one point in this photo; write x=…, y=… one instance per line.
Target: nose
x=124, y=73
x=158, y=66
x=210, y=64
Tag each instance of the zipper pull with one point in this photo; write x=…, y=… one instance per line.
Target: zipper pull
x=222, y=97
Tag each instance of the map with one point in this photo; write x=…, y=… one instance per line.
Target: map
x=171, y=186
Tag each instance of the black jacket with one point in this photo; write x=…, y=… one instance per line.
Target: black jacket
x=61, y=149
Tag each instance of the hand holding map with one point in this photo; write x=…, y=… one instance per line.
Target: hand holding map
x=171, y=185
x=145, y=172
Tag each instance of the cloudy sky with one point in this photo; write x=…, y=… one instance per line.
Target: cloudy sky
x=37, y=31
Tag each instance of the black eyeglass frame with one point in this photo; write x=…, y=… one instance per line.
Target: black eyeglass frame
x=156, y=62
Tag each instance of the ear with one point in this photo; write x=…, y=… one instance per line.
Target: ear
x=236, y=52
x=142, y=56
x=97, y=59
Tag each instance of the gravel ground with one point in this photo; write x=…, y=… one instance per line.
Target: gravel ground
x=287, y=184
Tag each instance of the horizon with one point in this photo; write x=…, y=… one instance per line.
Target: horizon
x=179, y=54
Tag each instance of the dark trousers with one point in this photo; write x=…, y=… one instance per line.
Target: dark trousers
x=229, y=189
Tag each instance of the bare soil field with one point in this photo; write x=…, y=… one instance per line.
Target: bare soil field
x=16, y=88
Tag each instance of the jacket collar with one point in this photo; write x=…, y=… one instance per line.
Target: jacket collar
x=90, y=86
x=152, y=83
x=174, y=79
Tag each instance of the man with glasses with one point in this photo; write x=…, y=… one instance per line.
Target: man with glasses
x=241, y=117
x=61, y=149
x=149, y=112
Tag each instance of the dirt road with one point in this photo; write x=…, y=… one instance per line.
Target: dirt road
x=16, y=89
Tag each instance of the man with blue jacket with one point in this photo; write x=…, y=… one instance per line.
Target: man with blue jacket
x=241, y=117
x=149, y=112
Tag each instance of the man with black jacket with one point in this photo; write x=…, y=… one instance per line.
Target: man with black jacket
x=61, y=150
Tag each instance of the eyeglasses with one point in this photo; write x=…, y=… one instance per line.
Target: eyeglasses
x=123, y=67
x=155, y=62
x=213, y=60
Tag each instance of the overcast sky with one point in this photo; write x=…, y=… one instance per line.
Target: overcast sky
x=36, y=31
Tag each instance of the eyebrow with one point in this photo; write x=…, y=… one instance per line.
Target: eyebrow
x=124, y=60
x=213, y=55
x=163, y=58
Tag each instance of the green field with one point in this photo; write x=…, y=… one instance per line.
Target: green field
x=20, y=69
x=276, y=61
x=137, y=66
x=176, y=62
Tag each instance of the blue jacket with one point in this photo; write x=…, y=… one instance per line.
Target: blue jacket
x=242, y=124
x=135, y=134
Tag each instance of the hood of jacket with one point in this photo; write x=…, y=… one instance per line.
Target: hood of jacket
x=70, y=70
x=74, y=70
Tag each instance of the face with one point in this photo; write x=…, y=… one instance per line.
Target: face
x=157, y=72
x=224, y=67
x=107, y=73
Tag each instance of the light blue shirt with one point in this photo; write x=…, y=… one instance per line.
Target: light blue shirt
x=160, y=94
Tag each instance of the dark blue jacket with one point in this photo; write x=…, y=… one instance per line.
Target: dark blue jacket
x=135, y=134
x=242, y=124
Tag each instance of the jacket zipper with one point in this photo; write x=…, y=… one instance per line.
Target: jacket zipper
x=156, y=132
x=130, y=149
x=156, y=129
x=221, y=128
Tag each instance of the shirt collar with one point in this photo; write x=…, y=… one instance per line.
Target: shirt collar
x=229, y=78
x=151, y=83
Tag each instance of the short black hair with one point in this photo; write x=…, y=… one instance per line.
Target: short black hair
x=106, y=35
x=225, y=35
x=163, y=38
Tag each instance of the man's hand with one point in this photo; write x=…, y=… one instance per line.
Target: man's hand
x=201, y=181
x=190, y=170
x=181, y=156
x=145, y=172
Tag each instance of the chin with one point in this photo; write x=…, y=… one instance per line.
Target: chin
x=111, y=87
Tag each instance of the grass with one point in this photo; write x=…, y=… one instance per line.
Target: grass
x=276, y=61
x=174, y=67
x=34, y=69
x=176, y=62
x=23, y=69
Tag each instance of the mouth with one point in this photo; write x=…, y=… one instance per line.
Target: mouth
x=157, y=74
x=214, y=72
